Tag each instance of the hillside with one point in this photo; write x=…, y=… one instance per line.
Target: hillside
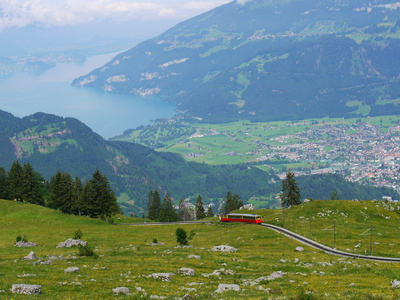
x=269, y=60
x=52, y=143
x=126, y=257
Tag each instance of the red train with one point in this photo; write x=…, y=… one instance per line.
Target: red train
x=246, y=218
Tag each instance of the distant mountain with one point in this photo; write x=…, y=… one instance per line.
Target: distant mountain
x=269, y=60
x=52, y=143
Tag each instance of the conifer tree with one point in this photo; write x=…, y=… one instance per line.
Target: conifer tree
x=14, y=182
x=232, y=202
x=77, y=203
x=3, y=184
x=200, y=211
x=168, y=213
x=210, y=212
x=30, y=191
x=155, y=206
x=61, y=192
x=290, y=194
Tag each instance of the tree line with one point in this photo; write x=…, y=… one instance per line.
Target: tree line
x=93, y=198
x=164, y=210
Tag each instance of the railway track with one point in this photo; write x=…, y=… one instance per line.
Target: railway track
x=292, y=235
x=327, y=249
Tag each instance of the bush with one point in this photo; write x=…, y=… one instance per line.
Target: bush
x=78, y=234
x=191, y=235
x=86, y=251
x=22, y=238
x=181, y=236
x=155, y=241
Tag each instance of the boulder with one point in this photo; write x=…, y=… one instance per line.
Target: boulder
x=121, y=290
x=71, y=242
x=26, y=289
x=299, y=249
x=31, y=255
x=395, y=284
x=22, y=244
x=161, y=276
x=72, y=270
x=186, y=271
x=224, y=248
x=194, y=256
x=227, y=287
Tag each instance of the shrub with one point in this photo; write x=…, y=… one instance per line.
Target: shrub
x=86, y=251
x=22, y=238
x=155, y=241
x=191, y=235
x=181, y=236
x=78, y=234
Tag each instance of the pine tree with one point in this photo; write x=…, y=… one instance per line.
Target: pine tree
x=210, y=212
x=61, y=192
x=14, y=185
x=30, y=191
x=290, y=194
x=200, y=211
x=3, y=184
x=155, y=206
x=77, y=203
x=101, y=198
x=168, y=213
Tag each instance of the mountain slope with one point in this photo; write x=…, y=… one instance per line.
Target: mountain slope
x=52, y=143
x=268, y=60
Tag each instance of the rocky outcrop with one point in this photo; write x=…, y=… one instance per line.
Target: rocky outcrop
x=22, y=244
x=121, y=290
x=186, y=271
x=26, y=289
x=224, y=248
x=31, y=255
x=71, y=242
x=227, y=287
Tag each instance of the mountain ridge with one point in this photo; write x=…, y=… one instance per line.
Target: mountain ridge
x=268, y=60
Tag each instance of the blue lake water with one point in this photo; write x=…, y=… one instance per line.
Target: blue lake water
x=51, y=92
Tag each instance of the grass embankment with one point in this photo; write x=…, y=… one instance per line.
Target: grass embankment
x=125, y=255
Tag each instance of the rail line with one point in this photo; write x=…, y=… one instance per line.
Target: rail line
x=327, y=249
x=290, y=234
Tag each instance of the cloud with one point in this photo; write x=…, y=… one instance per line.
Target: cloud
x=242, y=2
x=20, y=13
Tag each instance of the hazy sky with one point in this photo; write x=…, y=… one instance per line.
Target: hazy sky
x=49, y=13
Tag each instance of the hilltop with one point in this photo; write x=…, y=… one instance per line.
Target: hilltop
x=127, y=258
x=268, y=60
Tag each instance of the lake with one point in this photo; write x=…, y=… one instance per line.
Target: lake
x=51, y=92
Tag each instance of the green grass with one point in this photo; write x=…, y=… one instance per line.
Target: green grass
x=126, y=256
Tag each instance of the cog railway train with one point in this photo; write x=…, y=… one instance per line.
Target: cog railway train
x=246, y=218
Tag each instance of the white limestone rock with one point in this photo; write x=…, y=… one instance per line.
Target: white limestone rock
x=71, y=242
x=26, y=289
x=121, y=290
x=31, y=255
x=299, y=249
x=227, y=287
x=224, y=248
x=72, y=270
x=186, y=271
x=194, y=256
x=395, y=284
x=22, y=244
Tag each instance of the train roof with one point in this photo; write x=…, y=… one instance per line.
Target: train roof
x=246, y=215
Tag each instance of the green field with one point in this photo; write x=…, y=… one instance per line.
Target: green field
x=126, y=258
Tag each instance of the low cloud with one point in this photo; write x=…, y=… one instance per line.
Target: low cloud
x=21, y=13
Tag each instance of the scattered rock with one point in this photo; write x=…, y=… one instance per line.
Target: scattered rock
x=71, y=242
x=307, y=200
x=227, y=287
x=247, y=206
x=31, y=255
x=219, y=272
x=299, y=249
x=26, y=289
x=156, y=244
x=161, y=276
x=46, y=262
x=121, y=290
x=27, y=275
x=22, y=244
x=72, y=270
x=395, y=284
x=186, y=271
x=224, y=248
x=194, y=256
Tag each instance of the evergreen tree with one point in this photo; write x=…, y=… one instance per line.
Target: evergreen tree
x=101, y=198
x=200, y=211
x=290, y=194
x=14, y=183
x=155, y=205
x=77, y=203
x=168, y=213
x=30, y=190
x=334, y=195
x=61, y=192
x=232, y=202
x=210, y=212
x=3, y=184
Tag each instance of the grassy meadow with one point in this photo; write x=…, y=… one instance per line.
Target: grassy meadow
x=126, y=256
